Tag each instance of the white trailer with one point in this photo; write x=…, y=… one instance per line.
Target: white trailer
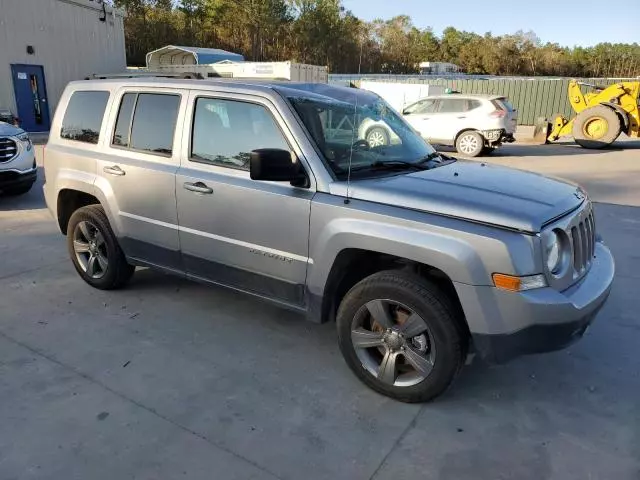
x=296, y=72
x=400, y=95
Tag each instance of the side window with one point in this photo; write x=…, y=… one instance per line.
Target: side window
x=473, y=104
x=147, y=121
x=424, y=106
x=224, y=132
x=83, y=118
x=452, y=105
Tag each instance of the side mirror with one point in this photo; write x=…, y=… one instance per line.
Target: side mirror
x=273, y=164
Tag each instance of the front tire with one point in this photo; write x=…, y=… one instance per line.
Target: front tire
x=94, y=249
x=401, y=336
x=596, y=127
x=470, y=143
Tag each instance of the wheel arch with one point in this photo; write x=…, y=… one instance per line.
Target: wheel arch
x=68, y=201
x=622, y=113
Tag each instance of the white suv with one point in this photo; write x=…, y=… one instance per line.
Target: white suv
x=474, y=124
x=17, y=161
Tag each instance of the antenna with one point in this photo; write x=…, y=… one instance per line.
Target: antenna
x=353, y=129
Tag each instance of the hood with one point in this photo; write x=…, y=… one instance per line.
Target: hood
x=482, y=193
x=8, y=130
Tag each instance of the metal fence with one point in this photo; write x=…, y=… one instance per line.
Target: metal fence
x=534, y=98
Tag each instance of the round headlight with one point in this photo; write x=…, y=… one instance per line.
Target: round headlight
x=552, y=252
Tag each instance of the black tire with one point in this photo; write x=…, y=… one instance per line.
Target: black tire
x=470, y=143
x=431, y=304
x=117, y=272
x=585, y=131
x=380, y=134
x=20, y=190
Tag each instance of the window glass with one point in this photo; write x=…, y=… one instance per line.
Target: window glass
x=83, y=118
x=425, y=106
x=473, y=104
x=452, y=105
x=154, y=122
x=123, y=123
x=226, y=131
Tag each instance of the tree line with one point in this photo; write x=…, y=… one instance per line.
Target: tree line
x=323, y=32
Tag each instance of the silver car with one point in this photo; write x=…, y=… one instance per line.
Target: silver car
x=473, y=124
x=421, y=259
x=18, y=169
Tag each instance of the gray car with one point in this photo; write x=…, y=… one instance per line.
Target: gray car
x=263, y=187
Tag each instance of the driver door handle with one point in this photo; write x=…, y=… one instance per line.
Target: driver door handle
x=114, y=170
x=198, y=187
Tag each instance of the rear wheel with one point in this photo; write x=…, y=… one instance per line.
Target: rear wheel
x=596, y=127
x=470, y=143
x=400, y=335
x=377, y=137
x=94, y=249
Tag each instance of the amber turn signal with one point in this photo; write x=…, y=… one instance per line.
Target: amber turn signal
x=518, y=284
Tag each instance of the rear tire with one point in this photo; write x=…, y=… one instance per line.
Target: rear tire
x=377, y=137
x=470, y=143
x=408, y=364
x=596, y=127
x=94, y=249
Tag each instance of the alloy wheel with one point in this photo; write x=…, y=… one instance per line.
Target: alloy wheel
x=90, y=249
x=469, y=144
x=376, y=139
x=393, y=343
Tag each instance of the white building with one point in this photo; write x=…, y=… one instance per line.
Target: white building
x=439, y=68
x=44, y=44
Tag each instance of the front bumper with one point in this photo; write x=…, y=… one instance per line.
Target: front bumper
x=505, y=325
x=16, y=178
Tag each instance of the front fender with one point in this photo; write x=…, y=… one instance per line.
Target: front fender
x=466, y=252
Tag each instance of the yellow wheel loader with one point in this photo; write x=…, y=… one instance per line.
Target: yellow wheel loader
x=601, y=115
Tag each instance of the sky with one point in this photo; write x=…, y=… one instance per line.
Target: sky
x=569, y=23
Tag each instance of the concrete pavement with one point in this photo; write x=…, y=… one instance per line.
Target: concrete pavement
x=171, y=379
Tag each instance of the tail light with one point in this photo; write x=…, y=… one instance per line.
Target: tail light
x=498, y=114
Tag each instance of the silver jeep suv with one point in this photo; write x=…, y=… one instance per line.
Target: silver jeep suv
x=419, y=258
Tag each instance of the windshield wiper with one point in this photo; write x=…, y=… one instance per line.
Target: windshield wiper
x=391, y=164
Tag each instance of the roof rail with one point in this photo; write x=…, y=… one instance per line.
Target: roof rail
x=96, y=76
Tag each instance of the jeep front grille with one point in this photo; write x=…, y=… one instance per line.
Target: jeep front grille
x=8, y=149
x=583, y=241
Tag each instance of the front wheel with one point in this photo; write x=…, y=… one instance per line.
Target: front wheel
x=470, y=144
x=94, y=249
x=401, y=336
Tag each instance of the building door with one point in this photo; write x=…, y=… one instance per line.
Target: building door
x=31, y=97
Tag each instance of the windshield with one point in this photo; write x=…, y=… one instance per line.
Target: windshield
x=351, y=123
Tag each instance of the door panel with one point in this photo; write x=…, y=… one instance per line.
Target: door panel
x=138, y=173
x=31, y=97
x=235, y=231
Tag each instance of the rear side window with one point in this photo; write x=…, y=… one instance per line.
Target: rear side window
x=147, y=122
x=226, y=131
x=473, y=104
x=504, y=104
x=452, y=105
x=83, y=118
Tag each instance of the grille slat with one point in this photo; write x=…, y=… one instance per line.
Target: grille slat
x=583, y=243
x=8, y=149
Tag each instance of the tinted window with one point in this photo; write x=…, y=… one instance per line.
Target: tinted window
x=83, y=118
x=225, y=132
x=473, y=104
x=154, y=122
x=451, y=105
x=123, y=123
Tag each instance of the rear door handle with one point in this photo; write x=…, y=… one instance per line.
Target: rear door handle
x=461, y=118
x=198, y=187
x=114, y=170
